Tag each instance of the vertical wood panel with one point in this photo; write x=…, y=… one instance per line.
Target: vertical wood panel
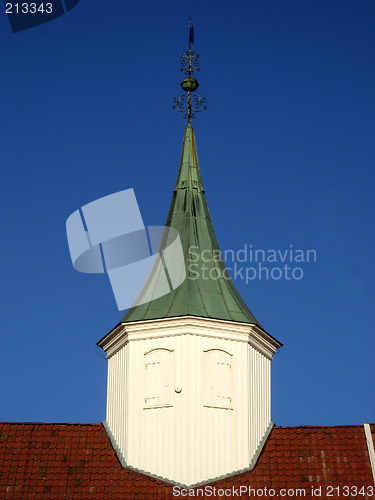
x=188, y=442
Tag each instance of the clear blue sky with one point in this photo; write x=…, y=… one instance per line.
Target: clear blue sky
x=287, y=155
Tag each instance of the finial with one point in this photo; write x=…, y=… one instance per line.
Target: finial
x=191, y=32
x=189, y=105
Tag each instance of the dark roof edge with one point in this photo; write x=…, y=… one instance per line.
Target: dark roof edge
x=108, y=333
x=320, y=426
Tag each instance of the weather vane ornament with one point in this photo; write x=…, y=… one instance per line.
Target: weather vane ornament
x=189, y=105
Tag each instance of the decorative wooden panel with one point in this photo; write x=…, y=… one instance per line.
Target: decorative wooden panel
x=218, y=379
x=159, y=378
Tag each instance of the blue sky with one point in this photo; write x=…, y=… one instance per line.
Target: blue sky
x=287, y=155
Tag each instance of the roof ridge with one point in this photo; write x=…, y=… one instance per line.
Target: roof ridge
x=318, y=426
x=51, y=423
x=100, y=424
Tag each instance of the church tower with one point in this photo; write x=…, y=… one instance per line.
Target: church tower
x=189, y=373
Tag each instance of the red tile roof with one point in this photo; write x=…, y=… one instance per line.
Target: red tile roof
x=77, y=461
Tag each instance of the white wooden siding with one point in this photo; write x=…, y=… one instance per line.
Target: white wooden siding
x=181, y=437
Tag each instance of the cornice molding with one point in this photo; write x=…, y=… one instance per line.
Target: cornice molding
x=189, y=325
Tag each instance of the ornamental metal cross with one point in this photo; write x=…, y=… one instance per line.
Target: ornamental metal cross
x=189, y=105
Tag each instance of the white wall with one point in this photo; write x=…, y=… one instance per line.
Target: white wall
x=188, y=436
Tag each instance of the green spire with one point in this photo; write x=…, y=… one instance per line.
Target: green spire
x=208, y=293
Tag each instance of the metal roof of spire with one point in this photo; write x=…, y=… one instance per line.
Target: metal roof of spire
x=212, y=294
x=208, y=291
